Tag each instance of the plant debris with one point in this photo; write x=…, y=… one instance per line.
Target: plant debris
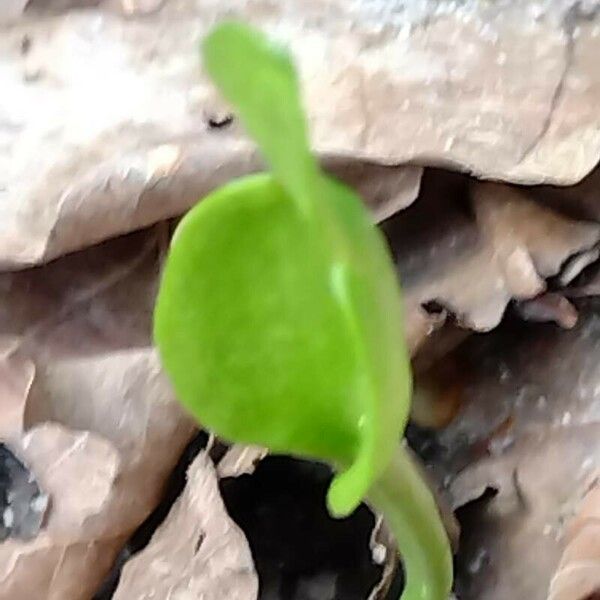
x=97, y=424
x=197, y=551
x=488, y=244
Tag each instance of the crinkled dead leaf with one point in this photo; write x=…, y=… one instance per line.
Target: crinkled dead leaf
x=198, y=551
x=78, y=469
x=102, y=428
x=473, y=266
x=384, y=83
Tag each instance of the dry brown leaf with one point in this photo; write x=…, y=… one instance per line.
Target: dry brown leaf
x=473, y=267
x=198, y=551
x=578, y=574
x=383, y=82
x=103, y=429
x=78, y=469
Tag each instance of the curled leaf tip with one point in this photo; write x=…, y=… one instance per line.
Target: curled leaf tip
x=347, y=489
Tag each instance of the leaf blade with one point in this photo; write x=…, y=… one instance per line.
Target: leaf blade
x=260, y=80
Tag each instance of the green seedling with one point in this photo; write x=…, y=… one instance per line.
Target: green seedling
x=279, y=315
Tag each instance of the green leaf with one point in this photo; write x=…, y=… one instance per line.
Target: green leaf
x=269, y=341
x=279, y=314
x=259, y=79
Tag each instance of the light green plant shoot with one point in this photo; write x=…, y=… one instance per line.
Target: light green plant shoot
x=279, y=315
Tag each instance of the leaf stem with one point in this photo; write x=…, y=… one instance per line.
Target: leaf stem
x=409, y=508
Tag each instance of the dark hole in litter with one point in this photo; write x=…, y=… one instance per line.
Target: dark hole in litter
x=300, y=552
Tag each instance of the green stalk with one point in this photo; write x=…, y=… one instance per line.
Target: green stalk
x=410, y=510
